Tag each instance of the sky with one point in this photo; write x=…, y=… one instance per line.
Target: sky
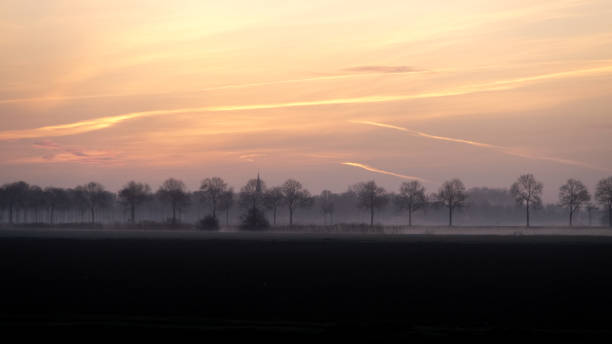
x=326, y=92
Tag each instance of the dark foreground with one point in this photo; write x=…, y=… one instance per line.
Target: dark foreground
x=308, y=286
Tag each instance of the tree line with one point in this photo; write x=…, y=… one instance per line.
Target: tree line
x=213, y=201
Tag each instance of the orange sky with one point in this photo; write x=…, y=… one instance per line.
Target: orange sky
x=327, y=92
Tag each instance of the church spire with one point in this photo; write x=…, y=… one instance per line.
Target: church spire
x=258, y=185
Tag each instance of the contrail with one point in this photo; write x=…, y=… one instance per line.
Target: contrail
x=213, y=88
x=466, y=89
x=501, y=149
x=377, y=170
x=105, y=122
x=81, y=126
x=429, y=136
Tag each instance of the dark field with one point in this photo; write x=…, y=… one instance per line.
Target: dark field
x=306, y=286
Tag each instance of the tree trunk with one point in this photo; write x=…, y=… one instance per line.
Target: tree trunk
x=93, y=219
x=51, y=214
x=290, y=216
x=527, y=212
x=227, y=216
x=275, y=216
x=610, y=214
x=371, y=216
x=409, y=216
x=571, y=215
x=133, y=213
x=11, y=213
x=450, y=215
x=173, y=214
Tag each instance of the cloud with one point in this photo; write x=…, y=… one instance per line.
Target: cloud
x=251, y=156
x=56, y=153
x=358, y=72
x=382, y=69
x=502, y=149
x=377, y=170
x=422, y=134
x=105, y=122
x=46, y=144
x=207, y=89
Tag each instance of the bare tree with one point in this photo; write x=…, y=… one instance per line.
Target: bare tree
x=411, y=197
x=252, y=199
x=273, y=198
x=252, y=194
x=54, y=199
x=452, y=195
x=295, y=196
x=35, y=201
x=590, y=208
x=603, y=195
x=133, y=194
x=212, y=189
x=3, y=203
x=95, y=197
x=226, y=200
x=370, y=196
x=573, y=195
x=327, y=206
x=78, y=201
x=174, y=192
x=527, y=191
x=15, y=195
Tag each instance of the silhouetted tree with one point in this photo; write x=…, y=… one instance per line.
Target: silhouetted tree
x=55, y=198
x=590, y=208
x=295, y=196
x=15, y=195
x=254, y=219
x=35, y=201
x=212, y=189
x=603, y=195
x=370, y=196
x=226, y=200
x=95, y=197
x=209, y=223
x=527, y=191
x=78, y=201
x=133, y=194
x=451, y=195
x=573, y=195
x=3, y=203
x=273, y=198
x=411, y=197
x=173, y=191
x=252, y=194
x=252, y=198
x=327, y=205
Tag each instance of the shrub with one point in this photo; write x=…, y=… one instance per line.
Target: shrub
x=254, y=219
x=208, y=223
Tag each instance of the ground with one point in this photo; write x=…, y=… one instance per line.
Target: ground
x=306, y=284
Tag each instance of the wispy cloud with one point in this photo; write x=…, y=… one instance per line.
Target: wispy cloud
x=72, y=128
x=357, y=72
x=502, y=149
x=251, y=156
x=105, y=122
x=56, y=153
x=378, y=170
x=383, y=69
